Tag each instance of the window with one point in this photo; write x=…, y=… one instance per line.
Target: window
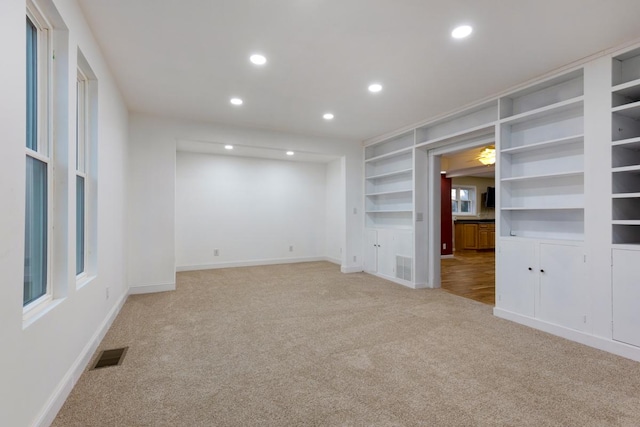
x=81, y=172
x=38, y=170
x=463, y=200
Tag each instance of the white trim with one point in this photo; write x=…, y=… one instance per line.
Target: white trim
x=62, y=391
x=151, y=289
x=446, y=256
x=601, y=343
x=250, y=263
x=353, y=269
x=333, y=260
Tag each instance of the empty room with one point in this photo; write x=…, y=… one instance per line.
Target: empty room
x=322, y=213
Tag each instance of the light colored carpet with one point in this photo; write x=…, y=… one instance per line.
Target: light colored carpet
x=304, y=345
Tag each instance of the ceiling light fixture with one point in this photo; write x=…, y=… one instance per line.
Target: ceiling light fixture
x=289, y=153
x=236, y=101
x=461, y=32
x=328, y=116
x=488, y=156
x=375, y=87
x=258, y=59
x=228, y=147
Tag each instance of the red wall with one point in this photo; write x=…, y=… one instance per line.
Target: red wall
x=446, y=220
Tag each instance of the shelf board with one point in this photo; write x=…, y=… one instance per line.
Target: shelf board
x=548, y=110
x=634, y=168
x=544, y=144
x=389, y=174
x=626, y=196
x=629, y=246
x=391, y=211
x=543, y=176
x=628, y=89
x=386, y=193
x=487, y=126
x=543, y=208
x=625, y=222
x=628, y=110
x=390, y=155
x=632, y=143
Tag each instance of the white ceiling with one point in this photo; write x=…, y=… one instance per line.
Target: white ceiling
x=187, y=58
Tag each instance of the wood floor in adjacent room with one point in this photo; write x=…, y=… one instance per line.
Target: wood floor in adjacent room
x=470, y=274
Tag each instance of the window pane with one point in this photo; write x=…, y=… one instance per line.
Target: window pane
x=464, y=194
x=32, y=86
x=454, y=206
x=79, y=225
x=453, y=194
x=35, y=250
x=465, y=206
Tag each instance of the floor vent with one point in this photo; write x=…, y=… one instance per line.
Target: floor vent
x=112, y=357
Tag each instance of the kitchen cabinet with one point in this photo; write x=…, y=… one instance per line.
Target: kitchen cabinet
x=475, y=235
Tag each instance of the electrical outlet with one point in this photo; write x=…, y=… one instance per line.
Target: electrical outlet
x=107, y=293
x=355, y=258
x=444, y=246
x=355, y=211
x=216, y=252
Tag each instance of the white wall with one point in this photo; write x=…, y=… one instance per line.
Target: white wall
x=335, y=207
x=251, y=210
x=152, y=199
x=39, y=362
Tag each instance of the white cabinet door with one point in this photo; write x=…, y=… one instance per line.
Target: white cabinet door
x=386, y=252
x=517, y=277
x=626, y=296
x=371, y=252
x=562, y=294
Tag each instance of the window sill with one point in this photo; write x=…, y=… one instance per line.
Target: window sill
x=33, y=315
x=83, y=280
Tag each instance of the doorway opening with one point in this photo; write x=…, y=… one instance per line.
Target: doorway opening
x=463, y=220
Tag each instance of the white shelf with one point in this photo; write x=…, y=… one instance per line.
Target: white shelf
x=543, y=208
x=543, y=176
x=386, y=193
x=486, y=126
x=628, y=89
x=633, y=143
x=626, y=222
x=626, y=196
x=633, y=168
x=390, y=155
x=390, y=174
x=548, y=110
x=544, y=144
x=628, y=246
x=390, y=211
x=628, y=110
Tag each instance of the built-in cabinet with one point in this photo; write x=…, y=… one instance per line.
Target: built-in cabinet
x=551, y=211
x=388, y=253
x=625, y=203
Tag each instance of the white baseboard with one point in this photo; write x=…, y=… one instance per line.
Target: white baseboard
x=353, y=269
x=333, y=260
x=601, y=343
x=62, y=391
x=150, y=289
x=249, y=263
x=446, y=256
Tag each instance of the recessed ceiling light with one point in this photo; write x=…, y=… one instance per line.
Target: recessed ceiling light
x=375, y=87
x=289, y=153
x=236, y=101
x=228, y=147
x=461, y=32
x=328, y=116
x=258, y=59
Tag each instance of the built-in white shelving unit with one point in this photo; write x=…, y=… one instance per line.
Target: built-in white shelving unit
x=625, y=150
x=389, y=182
x=542, y=160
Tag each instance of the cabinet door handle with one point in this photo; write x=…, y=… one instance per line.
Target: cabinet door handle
x=541, y=271
x=530, y=269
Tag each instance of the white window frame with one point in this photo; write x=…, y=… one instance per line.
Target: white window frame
x=82, y=155
x=474, y=200
x=44, y=126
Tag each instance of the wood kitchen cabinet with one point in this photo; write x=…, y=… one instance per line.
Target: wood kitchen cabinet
x=475, y=235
